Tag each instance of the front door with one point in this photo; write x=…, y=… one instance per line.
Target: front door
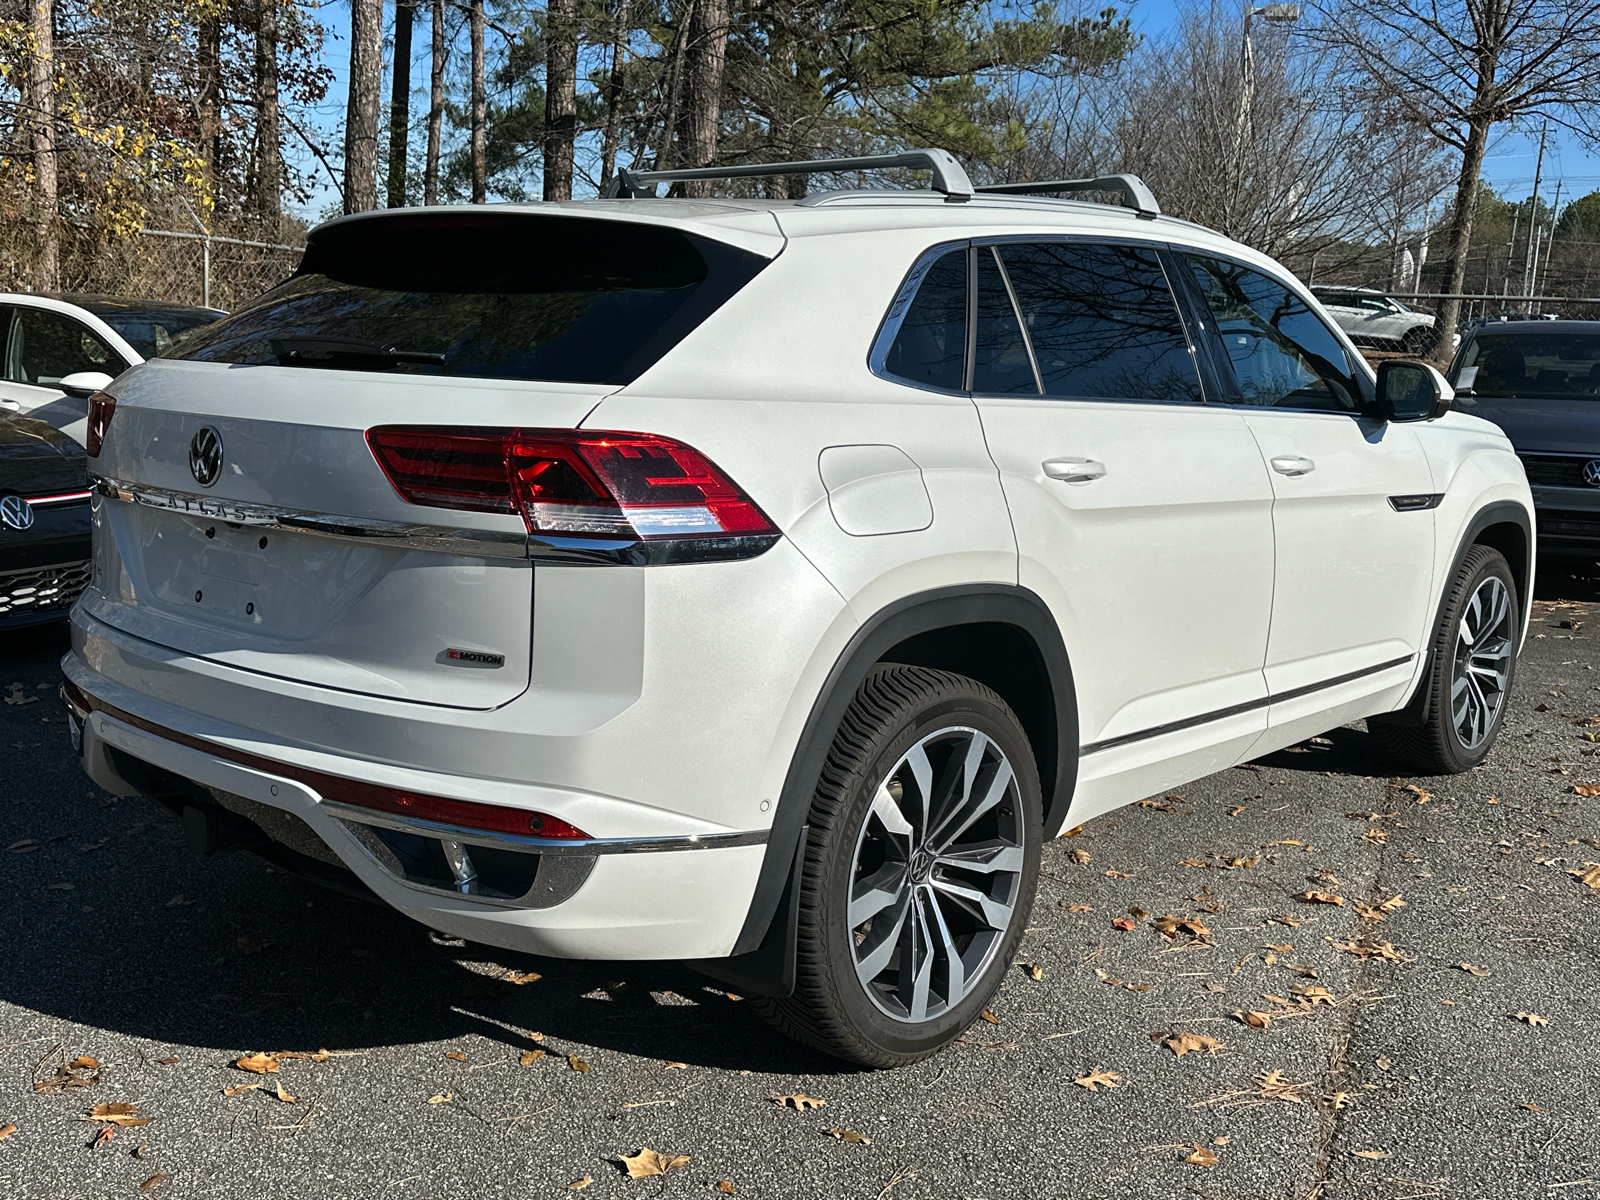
x=1353, y=504
x=1142, y=514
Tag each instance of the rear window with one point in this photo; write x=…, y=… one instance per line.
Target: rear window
x=501, y=296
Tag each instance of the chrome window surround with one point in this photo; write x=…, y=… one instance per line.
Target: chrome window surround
x=443, y=539
x=890, y=327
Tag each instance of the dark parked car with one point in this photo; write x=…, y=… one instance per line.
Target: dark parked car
x=1540, y=382
x=44, y=522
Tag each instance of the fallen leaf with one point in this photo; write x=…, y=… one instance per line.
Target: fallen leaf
x=1235, y=810
x=260, y=1064
x=1118, y=875
x=1365, y=951
x=849, y=1135
x=165, y=1062
x=676, y=1066
x=1080, y=856
x=1590, y=874
x=1274, y=1086
x=1191, y=862
x=1372, y=1154
x=1473, y=970
x=1239, y=864
x=520, y=978
x=1124, y=923
x=799, y=1100
x=1095, y=1080
x=1280, y=947
x=1529, y=1018
x=1316, y=897
x=1255, y=1018
x=284, y=1096
x=725, y=1186
x=1422, y=794
x=455, y=1056
x=536, y=1037
x=6, y=1131
x=989, y=1017
x=1034, y=970
x=1286, y=919
x=1170, y=925
x=1075, y=831
x=529, y=1057
x=104, y=1136
x=1078, y=907
x=1586, y=789
x=117, y=1114
x=84, y=1063
x=1137, y=913
x=439, y=1098
x=1215, y=987
x=1376, y=836
x=577, y=1185
x=1201, y=1157
x=577, y=1064
x=1314, y=995
x=647, y=1163
x=1532, y=1107
x=1383, y=1062
x=1181, y=1043
x=1338, y=1099
x=237, y=1088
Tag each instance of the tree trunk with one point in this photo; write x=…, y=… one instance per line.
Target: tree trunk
x=400, y=103
x=560, y=96
x=267, y=200
x=41, y=85
x=708, y=51
x=430, y=170
x=669, y=127
x=619, y=46
x=1461, y=231
x=361, y=111
x=480, y=159
x=208, y=99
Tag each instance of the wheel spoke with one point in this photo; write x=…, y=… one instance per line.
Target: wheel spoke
x=916, y=961
x=988, y=857
x=991, y=792
x=992, y=913
x=922, y=773
x=874, y=953
x=955, y=971
x=876, y=892
x=889, y=814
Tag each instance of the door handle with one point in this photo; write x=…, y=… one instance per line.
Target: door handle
x=1073, y=470
x=1293, y=464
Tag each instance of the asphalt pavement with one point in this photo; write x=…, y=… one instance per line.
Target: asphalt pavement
x=1435, y=1035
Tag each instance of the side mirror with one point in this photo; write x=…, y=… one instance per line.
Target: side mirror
x=1412, y=391
x=83, y=384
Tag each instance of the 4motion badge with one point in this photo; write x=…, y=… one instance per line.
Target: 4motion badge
x=475, y=658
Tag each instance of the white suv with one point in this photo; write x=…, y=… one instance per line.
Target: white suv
x=760, y=582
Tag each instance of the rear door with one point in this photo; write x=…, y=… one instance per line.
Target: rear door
x=243, y=517
x=1353, y=496
x=1142, y=514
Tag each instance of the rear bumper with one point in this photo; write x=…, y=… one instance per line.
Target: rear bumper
x=625, y=898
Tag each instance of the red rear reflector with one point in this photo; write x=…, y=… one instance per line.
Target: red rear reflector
x=570, y=483
x=102, y=407
x=466, y=813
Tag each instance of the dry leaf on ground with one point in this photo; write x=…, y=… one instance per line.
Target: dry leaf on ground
x=1365, y=950
x=1316, y=897
x=648, y=1162
x=455, y=1056
x=1372, y=1154
x=529, y=1057
x=1275, y=1086
x=1034, y=970
x=154, y=1180
x=1313, y=995
x=577, y=1064
x=243, y=1087
x=725, y=1186
x=989, y=1017
x=104, y=1136
x=1586, y=789
x=84, y=1063
x=577, y=1185
x=284, y=1095
x=1077, y=907
x=1075, y=831
x=1124, y=924
x=1170, y=926
x=1531, y=1107
x=849, y=1135
x=1079, y=856
x=521, y=977
x=117, y=1114
x=6, y=1131
x=1181, y=1043
x=1590, y=874
x=1422, y=794
x=1118, y=875
x=799, y=1100
x=439, y=1098
x=1470, y=969
x=676, y=1066
x=1095, y=1080
x=1528, y=1018
x=260, y=1064
x=1200, y=1156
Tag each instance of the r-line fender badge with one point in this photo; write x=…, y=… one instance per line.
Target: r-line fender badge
x=475, y=658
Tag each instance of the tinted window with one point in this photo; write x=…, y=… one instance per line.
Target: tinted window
x=1282, y=354
x=1002, y=363
x=1102, y=322
x=155, y=331
x=1506, y=365
x=46, y=347
x=506, y=296
x=931, y=346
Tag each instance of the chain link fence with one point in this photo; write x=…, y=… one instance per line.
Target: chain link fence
x=218, y=268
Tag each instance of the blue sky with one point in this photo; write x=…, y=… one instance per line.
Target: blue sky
x=1509, y=166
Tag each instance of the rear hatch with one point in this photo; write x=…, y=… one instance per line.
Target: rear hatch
x=245, y=519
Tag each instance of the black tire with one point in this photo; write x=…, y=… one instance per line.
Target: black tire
x=1419, y=339
x=896, y=711
x=1439, y=746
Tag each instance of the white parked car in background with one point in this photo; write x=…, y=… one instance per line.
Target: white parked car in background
x=1375, y=321
x=760, y=583
x=59, y=349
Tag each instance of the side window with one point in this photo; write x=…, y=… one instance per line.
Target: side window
x=1102, y=322
x=1283, y=356
x=46, y=347
x=1002, y=364
x=930, y=347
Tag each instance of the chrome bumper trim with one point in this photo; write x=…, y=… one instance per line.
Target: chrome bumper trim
x=355, y=814
x=474, y=543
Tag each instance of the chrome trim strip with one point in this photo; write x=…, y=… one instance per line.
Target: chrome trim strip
x=355, y=814
x=474, y=543
x=1236, y=709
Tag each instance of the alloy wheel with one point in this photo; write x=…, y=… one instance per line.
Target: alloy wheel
x=936, y=875
x=1482, y=662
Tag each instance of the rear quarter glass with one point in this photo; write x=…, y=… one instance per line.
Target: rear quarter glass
x=499, y=295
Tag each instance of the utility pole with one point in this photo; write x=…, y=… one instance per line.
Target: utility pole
x=1281, y=14
x=1549, y=243
x=1533, y=220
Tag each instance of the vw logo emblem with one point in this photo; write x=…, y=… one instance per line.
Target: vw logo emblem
x=16, y=512
x=1591, y=472
x=205, y=456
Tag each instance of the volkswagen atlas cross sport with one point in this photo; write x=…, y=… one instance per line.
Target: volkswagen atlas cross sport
x=758, y=583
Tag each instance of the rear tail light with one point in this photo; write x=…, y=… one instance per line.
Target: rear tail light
x=567, y=483
x=102, y=407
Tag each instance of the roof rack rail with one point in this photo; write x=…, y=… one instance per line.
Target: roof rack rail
x=1131, y=188
x=948, y=175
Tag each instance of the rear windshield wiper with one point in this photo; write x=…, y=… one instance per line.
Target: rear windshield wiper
x=348, y=353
